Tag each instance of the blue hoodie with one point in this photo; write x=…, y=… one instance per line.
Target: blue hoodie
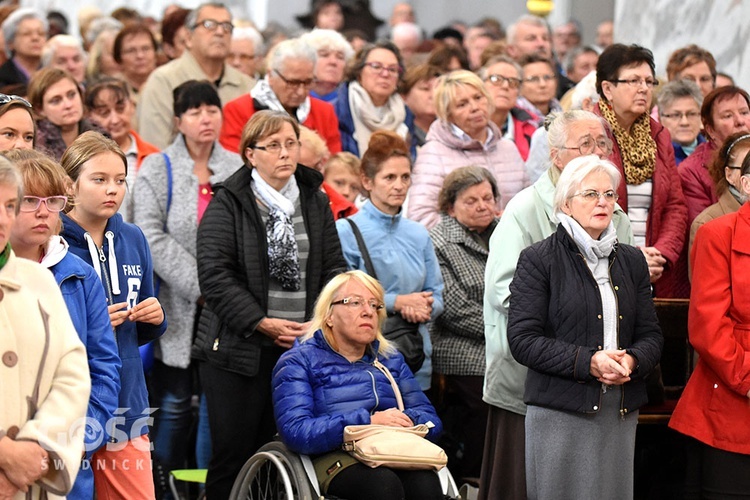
x=84, y=297
x=126, y=270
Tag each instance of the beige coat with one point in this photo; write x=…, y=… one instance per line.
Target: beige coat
x=44, y=375
x=155, y=114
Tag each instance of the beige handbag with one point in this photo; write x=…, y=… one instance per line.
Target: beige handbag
x=395, y=447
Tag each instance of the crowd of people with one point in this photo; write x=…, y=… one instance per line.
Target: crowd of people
x=212, y=237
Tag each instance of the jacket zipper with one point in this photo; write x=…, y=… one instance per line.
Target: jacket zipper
x=107, y=285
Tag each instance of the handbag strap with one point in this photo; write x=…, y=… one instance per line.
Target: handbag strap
x=168, y=168
x=396, y=390
x=362, y=249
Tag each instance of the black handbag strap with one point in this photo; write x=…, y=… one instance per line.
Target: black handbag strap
x=362, y=249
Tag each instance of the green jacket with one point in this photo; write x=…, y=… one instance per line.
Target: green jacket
x=527, y=219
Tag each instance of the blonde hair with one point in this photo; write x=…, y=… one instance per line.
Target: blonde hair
x=347, y=160
x=85, y=147
x=446, y=86
x=324, y=308
x=42, y=176
x=311, y=139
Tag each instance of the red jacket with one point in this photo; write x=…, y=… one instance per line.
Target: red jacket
x=697, y=185
x=714, y=408
x=666, y=227
x=523, y=128
x=144, y=148
x=340, y=206
x=322, y=119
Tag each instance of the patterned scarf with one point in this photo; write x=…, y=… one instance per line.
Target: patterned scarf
x=283, y=255
x=368, y=118
x=262, y=93
x=4, y=256
x=637, y=148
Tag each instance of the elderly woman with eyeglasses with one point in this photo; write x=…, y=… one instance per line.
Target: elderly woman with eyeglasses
x=266, y=246
x=539, y=87
x=528, y=218
x=286, y=88
x=369, y=101
x=651, y=193
x=462, y=135
x=502, y=77
x=679, y=104
x=582, y=320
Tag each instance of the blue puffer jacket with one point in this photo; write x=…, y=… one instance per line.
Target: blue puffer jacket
x=84, y=296
x=346, y=124
x=125, y=266
x=317, y=392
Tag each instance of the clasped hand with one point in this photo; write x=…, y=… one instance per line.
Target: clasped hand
x=415, y=307
x=283, y=332
x=612, y=366
x=392, y=417
x=655, y=261
x=146, y=311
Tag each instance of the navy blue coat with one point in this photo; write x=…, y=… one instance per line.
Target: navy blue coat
x=317, y=392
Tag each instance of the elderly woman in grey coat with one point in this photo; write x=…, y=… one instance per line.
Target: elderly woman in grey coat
x=171, y=193
x=467, y=204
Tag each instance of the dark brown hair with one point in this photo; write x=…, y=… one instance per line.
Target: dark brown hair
x=354, y=71
x=618, y=56
x=416, y=74
x=383, y=146
x=720, y=160
x=715, y=96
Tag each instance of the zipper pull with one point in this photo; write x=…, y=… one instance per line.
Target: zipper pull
x=102, y=258
x=216, y=344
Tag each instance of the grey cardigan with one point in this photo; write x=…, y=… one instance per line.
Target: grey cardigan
x=174, y=251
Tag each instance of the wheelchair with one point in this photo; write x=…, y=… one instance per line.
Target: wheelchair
x=276, y=473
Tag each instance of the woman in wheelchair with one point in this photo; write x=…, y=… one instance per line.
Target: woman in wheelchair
x=328, y=381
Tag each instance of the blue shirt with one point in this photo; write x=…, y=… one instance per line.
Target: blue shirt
x=404, y=259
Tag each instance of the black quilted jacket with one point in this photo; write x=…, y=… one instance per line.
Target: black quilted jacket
x=555, y=323
x=232, y=257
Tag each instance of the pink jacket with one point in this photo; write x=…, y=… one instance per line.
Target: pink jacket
x=444, y=152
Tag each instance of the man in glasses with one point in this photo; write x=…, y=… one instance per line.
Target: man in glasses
x=286, y=87
x=209, y=39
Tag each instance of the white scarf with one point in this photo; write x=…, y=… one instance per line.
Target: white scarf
x=596, y=253
x=262, y=93
x=283, y=256
x=368, y=118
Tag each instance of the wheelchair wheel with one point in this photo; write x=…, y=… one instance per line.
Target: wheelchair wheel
x=272, y=473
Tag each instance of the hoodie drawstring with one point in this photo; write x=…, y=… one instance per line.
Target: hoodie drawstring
x=93, y=252
x=113, y=274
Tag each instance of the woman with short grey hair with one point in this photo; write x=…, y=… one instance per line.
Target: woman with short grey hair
x=582, y=320
x=334, y=52
x=461, y=241
x=25, y=33
x=66, y=52
x=679, y=103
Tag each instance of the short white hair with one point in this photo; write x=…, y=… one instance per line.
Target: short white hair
x=249, y=33
x=585, y=89
x=320, y=39
x=406, y=30
x=525, y=19
x=294, y=48
x=58, y=41
x=10, y=25
x=576, y=171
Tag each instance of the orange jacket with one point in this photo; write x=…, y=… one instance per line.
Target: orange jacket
x=144, y=149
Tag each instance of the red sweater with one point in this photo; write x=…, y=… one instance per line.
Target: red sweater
x=322, y=119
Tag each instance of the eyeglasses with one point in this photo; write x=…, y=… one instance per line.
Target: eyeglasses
x=296, y=83
x=592, y=196
x=356, y=302
x=379, y=68
x=677, y=115
x=732, y=167
x=638, y=82
x=698, y=79
x=212, y=25
x=53, y=203
x=5, y=99
x=589, y=145
x=500, y=80
x=540, y=78
x=275, y=147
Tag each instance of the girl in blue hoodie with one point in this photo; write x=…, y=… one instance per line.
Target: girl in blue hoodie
x=120, y=255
